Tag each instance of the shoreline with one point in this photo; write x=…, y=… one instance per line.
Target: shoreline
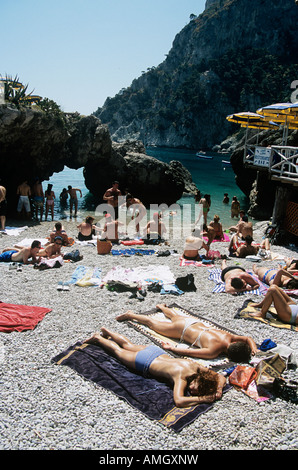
x=45, y=406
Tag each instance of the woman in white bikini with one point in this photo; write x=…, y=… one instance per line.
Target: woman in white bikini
x=286, y=308
x=205, y=342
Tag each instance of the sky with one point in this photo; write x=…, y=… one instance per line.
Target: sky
x=79, y=52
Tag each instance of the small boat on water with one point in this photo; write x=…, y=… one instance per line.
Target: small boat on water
x=226, y=162
x=202, y=155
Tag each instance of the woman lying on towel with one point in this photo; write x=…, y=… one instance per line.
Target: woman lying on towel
x=286, y=308
x=192, y=247
x=205, y=342
x=278, y=277
x=291, y=265
x=192, y=383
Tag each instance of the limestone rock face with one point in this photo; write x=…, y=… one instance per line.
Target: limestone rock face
x=238, y=55
x=150, y=180
x=36, y=144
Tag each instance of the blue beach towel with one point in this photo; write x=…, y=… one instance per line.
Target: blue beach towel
x=86, y=276
x=154, y=399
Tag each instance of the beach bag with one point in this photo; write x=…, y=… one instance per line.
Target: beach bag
x=242, y=376
x=74, y=256
x=186, y=283
x=104, y=247
x=269, y=369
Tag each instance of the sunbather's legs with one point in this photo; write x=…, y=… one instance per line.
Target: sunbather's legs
x=223, y=264
x=118, y=345
x=280, y=301
x=259, y=271
x=171, y=329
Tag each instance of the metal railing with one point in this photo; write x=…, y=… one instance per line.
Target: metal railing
x=280, y=161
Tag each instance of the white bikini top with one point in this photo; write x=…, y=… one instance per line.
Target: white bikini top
x=189, y=322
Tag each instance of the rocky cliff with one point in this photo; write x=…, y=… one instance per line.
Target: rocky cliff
x=237, y=55
x=34, y=144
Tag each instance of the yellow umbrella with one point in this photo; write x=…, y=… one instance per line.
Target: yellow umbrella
x=251, y=121
x=245, y=118
x=284, y=113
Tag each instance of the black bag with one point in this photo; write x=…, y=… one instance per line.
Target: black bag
x=186, y=283
x=73, y=256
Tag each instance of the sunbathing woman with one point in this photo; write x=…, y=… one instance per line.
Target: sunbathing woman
x=204, y=385
x=86, y=229
x=286, y=308
x=291, y=265
x=206, y=342
x=219, y=235
x=279, y=277
x=192, y=247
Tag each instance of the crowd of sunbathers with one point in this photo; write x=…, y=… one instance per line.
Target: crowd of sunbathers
x=203, y=385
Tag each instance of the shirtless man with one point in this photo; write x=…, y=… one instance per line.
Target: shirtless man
x=138, y=210
x=236, y=279
x=59, y=232
x=53, y=249
x=24, y=193
x=278, y=277
x=38, y=198
x=21, y=254
x=244, y=228
x=111, y=196
x=111, y=229
x=235, y=207
x=206, y=342
x=204, y=385
x=3, y=207
x=209, y=233
x=73, y=201
x=155, y=227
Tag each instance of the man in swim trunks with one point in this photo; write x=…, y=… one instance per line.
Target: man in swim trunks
x=73, y=201
x=206, y=342
x=155, y=228
x=279, y=277
x=38, y=198
x=236, y=279
x=204, y=385
x=59, y=232
x=24, y=192
x=286, y=308
x=21, y=254
x=3, y=207
x=112, y=197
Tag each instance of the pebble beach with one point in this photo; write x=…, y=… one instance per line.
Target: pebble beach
x=49, y=407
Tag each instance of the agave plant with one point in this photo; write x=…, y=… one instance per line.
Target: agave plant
x=15, y=92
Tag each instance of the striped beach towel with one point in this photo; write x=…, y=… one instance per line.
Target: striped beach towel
x=215, y=275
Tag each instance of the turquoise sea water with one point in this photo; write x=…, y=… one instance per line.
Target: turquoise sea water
x=210, y=175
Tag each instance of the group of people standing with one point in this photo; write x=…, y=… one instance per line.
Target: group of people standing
x=34, y=200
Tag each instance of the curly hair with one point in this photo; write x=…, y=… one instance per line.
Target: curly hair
x=206, y=382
